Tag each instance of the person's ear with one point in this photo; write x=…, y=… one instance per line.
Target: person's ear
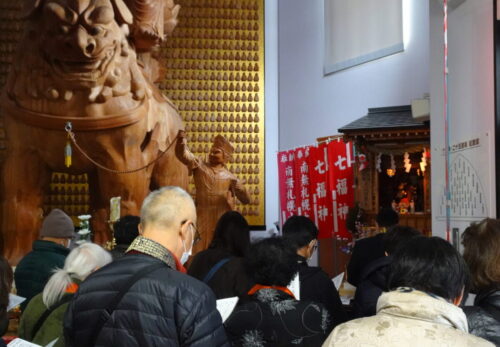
x=185, y=228
x=139, y=227
x=458, y=300
x=311, y=247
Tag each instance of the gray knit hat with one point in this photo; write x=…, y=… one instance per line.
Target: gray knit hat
x=57, y=224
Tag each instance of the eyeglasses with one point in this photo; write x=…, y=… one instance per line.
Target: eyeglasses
x=315, y=247
x=197, y=236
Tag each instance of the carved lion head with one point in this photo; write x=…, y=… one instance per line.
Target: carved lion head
x=75, y=51
x=80, y=39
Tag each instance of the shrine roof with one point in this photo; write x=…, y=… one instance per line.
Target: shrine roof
x=387, y=118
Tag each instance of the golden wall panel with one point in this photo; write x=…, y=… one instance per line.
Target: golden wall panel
x=69, y=193
x=215, y=76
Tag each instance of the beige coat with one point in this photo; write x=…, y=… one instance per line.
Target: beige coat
x=407, y=317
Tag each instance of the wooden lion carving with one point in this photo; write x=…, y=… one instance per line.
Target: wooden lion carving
x=78, y=62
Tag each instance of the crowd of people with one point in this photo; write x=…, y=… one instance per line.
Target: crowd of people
x=411, y=289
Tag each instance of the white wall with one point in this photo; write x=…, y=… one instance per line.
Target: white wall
x=471, y=100
x=312, y=105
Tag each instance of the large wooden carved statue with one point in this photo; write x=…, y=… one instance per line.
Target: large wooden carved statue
x=217, y=188
x=78, y=63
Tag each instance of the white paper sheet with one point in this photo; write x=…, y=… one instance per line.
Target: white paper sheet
x=337, y=280
x=226, y=306
x=52, y=343
x=345, y=300
x=294, y=286
x=347, y=292
x=21, y=343
x=14, y=300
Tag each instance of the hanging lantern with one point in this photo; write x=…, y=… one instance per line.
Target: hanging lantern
x=423, y=161
x=363, y=162
x=407, y=162
x=378, y=162
x=391, y=172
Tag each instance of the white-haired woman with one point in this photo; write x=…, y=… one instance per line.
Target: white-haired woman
x=42, y=321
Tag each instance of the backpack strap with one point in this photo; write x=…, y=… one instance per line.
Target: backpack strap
x=214, y=269
x=108, y=311
x=65, y=299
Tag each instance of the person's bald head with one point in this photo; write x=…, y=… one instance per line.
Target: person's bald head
x=167, y=208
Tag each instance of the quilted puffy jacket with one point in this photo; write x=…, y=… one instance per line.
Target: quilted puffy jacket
x=164, y=308
x=484, y=316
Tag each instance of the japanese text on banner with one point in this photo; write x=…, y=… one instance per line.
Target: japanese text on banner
x=341, y=181
x=286, y=168
x=303, y=195
x=318, y=165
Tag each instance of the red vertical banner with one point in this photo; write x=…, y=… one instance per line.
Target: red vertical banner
x=286, y=176
x=341, y=180
x=318, y=177
x=303, y=192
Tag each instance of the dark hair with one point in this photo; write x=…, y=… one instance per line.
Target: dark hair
x=272, y=262
x=482, y=253
x=429, y=264
x=397, y=236
x=232, y=233
x=387, y=217
x=6, y=277
x=126, y=229
x=298, y=231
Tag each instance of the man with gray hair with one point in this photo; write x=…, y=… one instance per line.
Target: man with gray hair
x=144, y=298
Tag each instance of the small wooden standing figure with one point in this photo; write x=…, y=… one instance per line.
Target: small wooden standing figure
x=216, y=186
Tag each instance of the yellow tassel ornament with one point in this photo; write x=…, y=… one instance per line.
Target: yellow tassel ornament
x=67, y=148
x=67, y=154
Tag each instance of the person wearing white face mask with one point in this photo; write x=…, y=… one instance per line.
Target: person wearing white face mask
x=145, y=298
x=195, y=239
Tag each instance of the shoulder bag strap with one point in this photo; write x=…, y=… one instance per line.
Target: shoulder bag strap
x=214, y=269
x=65, y=299
x=108, y=311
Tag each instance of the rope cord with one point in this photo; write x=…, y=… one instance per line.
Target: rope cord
x=73, y=140
x=446, y=116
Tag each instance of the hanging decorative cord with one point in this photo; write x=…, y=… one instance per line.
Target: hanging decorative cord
x=446, y=114
x=71, y=137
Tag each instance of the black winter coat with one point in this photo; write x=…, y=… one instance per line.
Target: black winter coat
x=164, y=308
x=484, y=316
x=35, y=269
x=364, y=252
x=372, y=284
x=271, y=317
x=315, y=285
x=230, y=280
